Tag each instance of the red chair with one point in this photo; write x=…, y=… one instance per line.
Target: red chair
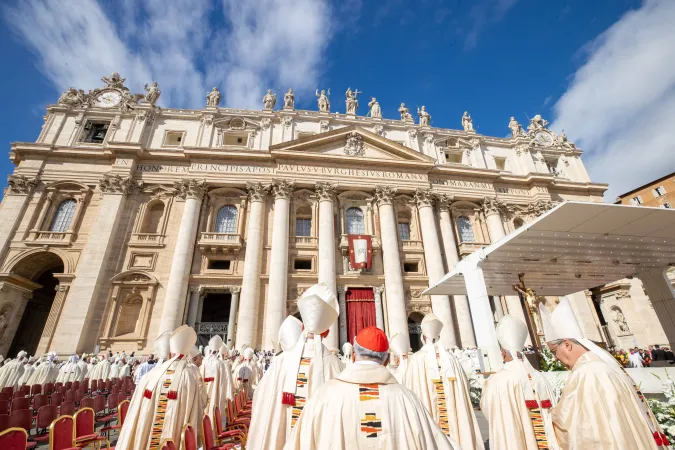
x=87, y=403
x=39, y=401
x=4, y=406
x=122, y=409
x=5, y=396
x=111, y=414
x=61, y=434
x=4, y=422
x=75, y=386
x=70, y=396
x=189, y=438
x=232, y=432
x=93, y=385
x=69, y=385
x=8, y=390
x=67, y=409
x=61, y=391
x=55, y=399
x=85, y=434
x=20, y=403
x=167, y=444
x=45, y=416
x=14, y=439
x=35, y=390
x=49, y=388
x=18, y=394
x=85, y=385
x=21, y=418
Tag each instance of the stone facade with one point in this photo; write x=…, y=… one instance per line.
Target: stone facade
x=124, y=220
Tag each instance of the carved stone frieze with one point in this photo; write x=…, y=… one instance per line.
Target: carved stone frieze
x=412, y=132
x=428, y=138
x=287, y=121
x=493, y=205
x=325, y=191
x=324, y=125
x=282, y=188
x=354, y=145
x=190, y=188
x=384, y=195
x=117, y=184
x=265, y=123
x=21, y=185
x=379, y=130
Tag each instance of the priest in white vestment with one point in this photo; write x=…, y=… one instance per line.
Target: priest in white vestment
x=167, y=399
x=46, y=371
x=364, y=407
x=195, y=363
x=12, y=371
x=517, y=400
x=228, y=377
x=213, y=371
x=600, y=406
x=347, y=350
x=440, y=383
x=28, y=370
x=296, y=373
x=70, y=371
x=398, y=361
x=84, y=366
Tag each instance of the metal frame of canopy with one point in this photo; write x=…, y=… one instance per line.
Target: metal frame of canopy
x=573, y=247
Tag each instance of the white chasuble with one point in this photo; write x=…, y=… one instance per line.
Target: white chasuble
x=45, y=373
x=11, y=373
x=599, y=410
x=271, y=420
x=28, y=371
x=439, y=381
x=366, y=408
x=167, y=399
x=517, y=405
x=213, y=371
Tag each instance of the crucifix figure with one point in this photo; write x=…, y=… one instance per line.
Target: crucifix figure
x=531, y=300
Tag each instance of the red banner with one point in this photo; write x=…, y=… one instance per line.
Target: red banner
x=360, y=251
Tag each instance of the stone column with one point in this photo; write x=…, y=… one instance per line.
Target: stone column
x=391, y=258
x=662, y=296
x=52, y=319
x=342, y=290
x=278, y=283
x=440, y=304
x=194, y=306
x=462, y=310
x=176, y=287
x=13, y=207
x=499, y=312
x=231, y=322
x=326, y=195
x=379, y=316
x=250, y=286
x=77, y=329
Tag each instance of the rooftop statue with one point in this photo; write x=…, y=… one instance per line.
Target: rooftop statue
x=375, y=111
x=289, y=100
x=405, y=113
x=467, y=122
x=516, y=128
x=269, y=100
x=324, y=102
x=114, y=81
x=352, y=102
x=73, y=97
x=537, y=123
x=425, y=117
x=213, y=98
x=152, y=93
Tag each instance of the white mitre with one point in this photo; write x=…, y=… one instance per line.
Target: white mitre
x=347, y=349
x=225, y=351
x=562, y=323
x=512, y=334
x=248, y=353
x=398, y=344
x=162, y=346
x=319, y=308
x=194, y=352
x=215, y=343
x=431, y=326
x=289, y=333
x=182, y=340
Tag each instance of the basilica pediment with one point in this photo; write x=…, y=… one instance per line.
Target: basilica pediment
x=350, y=144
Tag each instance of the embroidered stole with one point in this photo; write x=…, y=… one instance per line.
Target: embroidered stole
x=442, y=397
x=301, y=390
x=160, y=414
x=660, y=438
x=535, y=416
x=369, y=411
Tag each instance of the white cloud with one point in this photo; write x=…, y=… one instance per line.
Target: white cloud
x=620, y=105
x=266, y=43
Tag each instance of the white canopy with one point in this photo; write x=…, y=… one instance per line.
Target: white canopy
x=574, y=246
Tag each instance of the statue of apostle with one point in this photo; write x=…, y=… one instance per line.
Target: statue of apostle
x=269, y=100
x=289, y=100
x=375, y=111
x=324, y=102
x=213, y=98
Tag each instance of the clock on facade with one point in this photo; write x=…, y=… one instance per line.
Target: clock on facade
x=543, y=138
x=109, y=99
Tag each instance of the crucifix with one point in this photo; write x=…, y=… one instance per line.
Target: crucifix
x=530, y=298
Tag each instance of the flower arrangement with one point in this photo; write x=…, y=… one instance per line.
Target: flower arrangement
x=550, y=363
x=665, y=411
x=475, y=387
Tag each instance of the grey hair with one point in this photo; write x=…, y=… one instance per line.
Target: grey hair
x=363, y=352
x=572, y=340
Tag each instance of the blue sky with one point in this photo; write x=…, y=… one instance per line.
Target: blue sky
x=603, y=70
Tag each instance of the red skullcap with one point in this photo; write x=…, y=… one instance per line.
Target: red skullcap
x=373, y=339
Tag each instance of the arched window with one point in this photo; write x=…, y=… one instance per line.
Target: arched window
x=518, y=222
x=403, y=226
x=153, y=218
x=303, y=221
x=355, y=224
x=226, y=221
x=63, y=216
x=465, y=229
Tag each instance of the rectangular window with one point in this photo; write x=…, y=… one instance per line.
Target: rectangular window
x=303, y=227
x=410, y=267
x=404, y=231
x=636, y=200
x=302, y=264
x=500, y=163
x=659, y=191
x=238, y=140
x=219, y=264
x=453, y=157
x=552, y=166
x=173, y=139
x=94, y=132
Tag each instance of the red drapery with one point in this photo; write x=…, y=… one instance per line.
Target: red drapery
x=360, y=311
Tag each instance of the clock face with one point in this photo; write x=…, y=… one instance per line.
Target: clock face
x=543, y=139
x=109, y=99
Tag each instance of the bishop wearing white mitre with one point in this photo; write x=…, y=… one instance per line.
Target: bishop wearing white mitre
x=214, y=373
x=398, y=364
x=600, y=406
x=517, y=400
x=167, y=399
x=228, y=381
x=364, y=407
x=439, y=381
x=295, y=374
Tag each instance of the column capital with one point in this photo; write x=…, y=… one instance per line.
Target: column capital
x=119, y=185
x=424, y=197
x=493, y=205
x=385, y=194
x=21, y=185
x=539, y=207
x=190, y=188
x=282, y=188
x=444, y=202
x=256, y=191
x=377, y=290
x=235, y=289
x=325, y=191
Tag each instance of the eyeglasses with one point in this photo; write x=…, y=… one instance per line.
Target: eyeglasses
x=555, y=350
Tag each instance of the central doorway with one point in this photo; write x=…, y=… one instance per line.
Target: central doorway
x=415, y=330
x=214, y=318
x=360, y=311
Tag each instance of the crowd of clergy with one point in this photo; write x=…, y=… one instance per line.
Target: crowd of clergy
x=377, y=395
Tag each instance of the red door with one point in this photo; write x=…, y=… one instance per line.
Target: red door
x=360, y=311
